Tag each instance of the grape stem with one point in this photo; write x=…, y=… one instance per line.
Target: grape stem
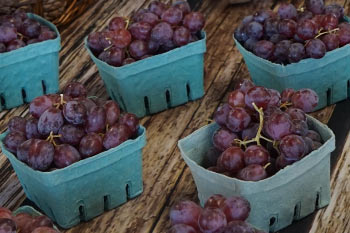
x=127, y=20
x=268, y=164
x=258, y=134
x=326, y=32
x=285, y=105
x=61, y=103
x=51, y=138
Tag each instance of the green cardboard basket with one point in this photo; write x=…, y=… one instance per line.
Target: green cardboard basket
x=291, y=194
x=157, y=83
x=31, y=71
x=31, y=211
x=328, y=76
x=87, y=188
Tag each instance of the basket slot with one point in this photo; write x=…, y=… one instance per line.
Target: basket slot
x=2, y=101
x=329, y=96
x=317, y=202
x=44, y=86
x=348, y=88
x=106, y=201
x=296, y=215
x=168, y=99
x=24, y=95
x=146, y=101
x=127, y=191
x=188, y=91
x=82, y=213
x=273, y=223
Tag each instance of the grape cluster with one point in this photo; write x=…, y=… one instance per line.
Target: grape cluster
x=68, y=127
x=262, y=131
x=220, y=214
x=290, y=35
x=151, y=31
x=24, y=223
x=17, y=30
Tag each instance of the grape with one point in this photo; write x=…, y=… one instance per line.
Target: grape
x=238, y=226
x=112, y=112
x=7, y=34
x=250, y=132
x=185, y=212
x=344, y=26
x=5, y=213
x=17, y=123
x=216, y=169
x=96, y=120
x=344, y=37
x=75, y=90
x=90, y=145
x=293, y=147
x=20, y=13
x=331, y=41
x=237, y=119
x=315, y=6
x=40, y=155
x=148, y=17
x=286, y=95
x=74, y=112
x=116, y=136
x=313, y=135
x=117, y=23
x=240, y=34
x=15, y=44
x=194, y=21
x=250, y=44
x=39, y=105
x=335, y=9
x=7, y=226
x=212, y=220
x=46, y=35
x=307, y=29
x=287, y=11
x=282, y=162
x=128, y=61
x=277, y=38
x=136, y=16
x=114, y=56
x=40, y=221
x=152, y=46
x=50, y=121
x=65, y=155
x=94, y=42
x=308, y=143
x=183, y=6
x=214, y=201
x=278, y=125
x=315, y=145
x=181, y=36
x=88, y=103
x=162, y=32
x=270, y=110
x=13, y=140
x=221, y=113
x=131, y=121
x=302, y=15
x=172, y=15
x=296, y=114
x=138, y=49
x=263, y=15
x=275, y=99
x=223, y=139
x=253, y=172
x=305, y=99
x=255, y=30
x=157, y=7
x=271, y=26
x=264, y=49
x=2, y=47
x=247, y=19
x=258, y=95
x=193, y=38
x=296, y=52
x=330, y=22
x=232, y=159
x=287, y=27
x=245, y=85
x=235, y=208
x=120, y=38
x=22, y=220
x=44, y=230
x=30, y=28
x=300, y=127
x=236, y=98
x=23, y=150
x=181, y=228
x=140, y=30
x=71, y=134
x=318, y=19
x=56, y=98
x=255, y=154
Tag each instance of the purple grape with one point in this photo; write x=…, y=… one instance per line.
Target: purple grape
x=40, y=155
x=335, y=9
x=264, y=49
x=65, y=155
x=162, y=33
x=75, y=90
x=223, y=139
x=2, y=48
x=287, y=11
x=17, y=123
x=183, y=6
x=74, y=112
x=7, y=34
x=221, y=113
x=116, y=136
x=315, y=6
x=253, y=172
x=138, y=48
x=262, y=15
x=241, y=34
x=331, y=41
x=50, y=121
x=287, y=27
x=148, y=17
x=271, y=26
x=181, y=36
x=255, y=30
x=313, y=135
x=140, y=30
x=112, y=112
x=250, y=44
x=194, y=21
x=292, y=147
x=131, y=121
x=13, y=140
x=172, y=15
x=296, y=52
x=23, y=150
x=15, y=44
x=96, y=120
x=32, y=129
x=281, y=50
x=30, y=28
x=236, y=208
x=315, y=48
x=157, y=7
x=90, y=145
x=71, y=134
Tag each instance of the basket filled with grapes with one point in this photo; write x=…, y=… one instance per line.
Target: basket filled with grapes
x=72, y=143
x=299, y=48
x=29, y=47
x=265, y=148
x=153, y=61
x=25, y=220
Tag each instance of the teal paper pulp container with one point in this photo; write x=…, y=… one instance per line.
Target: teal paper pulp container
x=328, y=76
x=157, y=83
x=29, y=72
x=87, y=188
x=291, y=194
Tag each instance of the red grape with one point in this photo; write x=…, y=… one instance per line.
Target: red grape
x=44, y=230
x=90, y=145
x=7, y=226
x=287, y=27
x=250, y=132
x=162, y=32
x=116, y=136
x=329, y=22
x=237, y=119
x=282, y=162
x=112, y=112
x=236, y=208
x=131, y=121
x=114, y=56
x=40, y=221
x=245, y=85
x=117, y=23
x=264, y=49
x=212, y=220
x=315, y=48
x=307, y=29
x=74, y=112
x=287, y=11
x=140, y=30
x=215, y=201
x=65, y=155
x=96, y=120
x=232, y=159
x=286, y=95
x=305, y=99
x=7, y=34
x=315, y=6
x=15, y=44
x=335, y=9
x=331, y=41
x=292, y=147
x=50, y=121
x=194, y=21
x=313, y=135
x=157, y=7
x=278, y=125
x=46, y=35
x=302, y=15
x=181, y=36
x=172, y=15
x=121, y=38
x=296, y=114
x=275, y=99
x=138, y=48
x=255, y=154
x=75, y=90
x=258, y=95
x=181, y=228
x=5, y=213
x=94, y=42
x=88, y=103
x=185, y=212
x=318, y=19
x=71, y=134
x=152, y=46
x=148, y=17
x=300, y=127
x=236, y=98
x=238, y=226
x=23, y=150
x=39, y=105
x=223, y=139
x=183, y=6
x=344, y=37
x=296, y=52
x=253, y=172
x=30, y=28
x=40, y=155
x=23, y=220
x=13, y=140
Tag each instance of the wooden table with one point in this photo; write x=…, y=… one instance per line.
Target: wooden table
x=166, y=177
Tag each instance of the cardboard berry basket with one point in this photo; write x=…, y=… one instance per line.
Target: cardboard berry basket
x=291, y=194
x=30, y=71
x=159, y=82
x=86, y=188
x=31, y=211
x=329, y=76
